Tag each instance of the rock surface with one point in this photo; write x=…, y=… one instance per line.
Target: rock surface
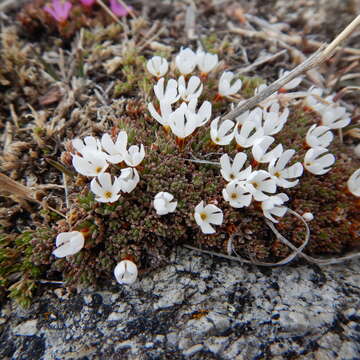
x=198, y=307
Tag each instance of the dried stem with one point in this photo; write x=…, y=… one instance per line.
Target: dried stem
x=321, y=55
x=106, y=8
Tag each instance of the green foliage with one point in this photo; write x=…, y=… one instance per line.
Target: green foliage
x=18, y=273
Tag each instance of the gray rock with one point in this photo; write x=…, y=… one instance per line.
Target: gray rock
x=27, y=328
x=222, y=310
x=193, y=350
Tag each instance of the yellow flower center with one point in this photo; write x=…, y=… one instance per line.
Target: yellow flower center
x=98, y=169
x=232, y=176
x=203, y=216
x=255, y=185
x=233, y=195
x=108, y=195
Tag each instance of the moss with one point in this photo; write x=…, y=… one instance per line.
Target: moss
x=18, y=271
x=210, y=43
x=249, y=85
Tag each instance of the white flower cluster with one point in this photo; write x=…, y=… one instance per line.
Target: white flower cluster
x=94, y=158
x=244, y=185
x=188, y=116
x=259, y=180
x=254, y=129
x=333, y=116
x=319, y=137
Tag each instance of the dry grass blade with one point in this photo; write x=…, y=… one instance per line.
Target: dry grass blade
x=20, y=192
x=260, y=61
x=12, y=187
x=323, y=53
x=190, y=21
x=270, y=31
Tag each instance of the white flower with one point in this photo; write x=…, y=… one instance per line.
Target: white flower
x=237, y=194
x=353, y=183
x=115, y=150
x=274, y=121
x=183, y=122
x=186, y=61
x=89, y=143
x=204, y=112
x=312, y=100
x=192, y=90
x=92, y=163
x=134, y=155
x=163, y=203
x=250, y=131
x=318, y=161
x=126, y=272
x=253, y=115
x=243, y=117
x=261, y=147
x=105, y=189
x=233, y=171
x=357, y=150
x=273, y=206
x=281, y=174
x=225, y=86
x=157, y=66
x=165, y=110
x=68, y=243
x=291, y=84
x=128, y=179
x=206, y=215
x=308, y=216
x=259, y=183
x=319, y=136
x=169, y=93
x=223, y=134
x=335, y=117
x=206, y=61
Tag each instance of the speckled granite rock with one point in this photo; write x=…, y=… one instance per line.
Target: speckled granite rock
x=196, y=308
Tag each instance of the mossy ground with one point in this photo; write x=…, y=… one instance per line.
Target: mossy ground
x=86, y=82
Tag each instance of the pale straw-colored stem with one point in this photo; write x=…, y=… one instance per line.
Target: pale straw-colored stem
x=321, y=55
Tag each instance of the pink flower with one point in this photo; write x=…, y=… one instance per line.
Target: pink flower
x=119, y=9
x=88, y=3
x=59, y=10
